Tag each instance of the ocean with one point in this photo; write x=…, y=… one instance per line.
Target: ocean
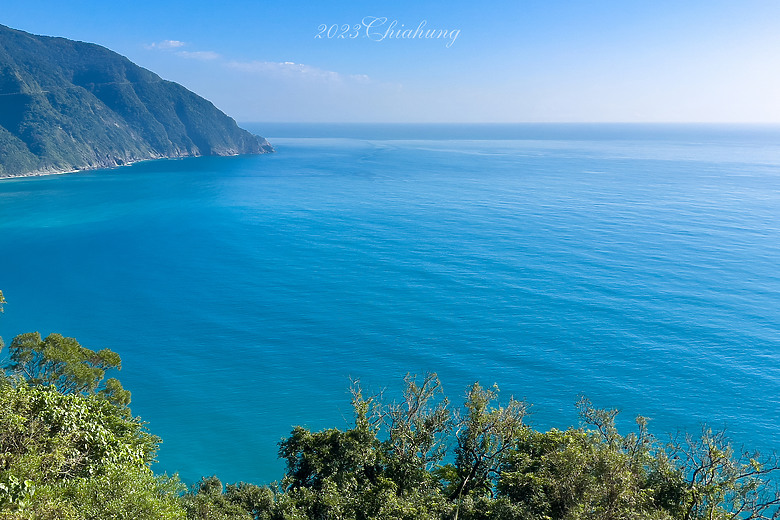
x=638, y=265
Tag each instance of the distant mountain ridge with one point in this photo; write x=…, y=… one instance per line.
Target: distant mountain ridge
x=67, y=105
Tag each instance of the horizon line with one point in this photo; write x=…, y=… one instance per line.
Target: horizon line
x=700, y=123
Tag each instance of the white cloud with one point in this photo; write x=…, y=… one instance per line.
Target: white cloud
x=284, y=69
x=166, y=45
x=199, y=55
x=291, y=69
x=175, y=46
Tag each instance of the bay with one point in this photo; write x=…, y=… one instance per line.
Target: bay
x=634, y=264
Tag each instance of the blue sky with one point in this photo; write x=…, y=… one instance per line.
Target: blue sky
x=500, y=61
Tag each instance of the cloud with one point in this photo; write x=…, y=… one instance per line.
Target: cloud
x=175, y=46
x=165, y=45
x=199, y=55
x=291, y=69
x=285, y=70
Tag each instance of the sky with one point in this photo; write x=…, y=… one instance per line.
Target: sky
x=497, y=61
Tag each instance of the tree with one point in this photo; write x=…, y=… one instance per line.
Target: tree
x=483, y=434
x=120, y=492
x=595, y=473
x=2, y=302
x=67, y=366
x=58, y=436
x=333, y=456
x=719, y=483
x=591, y=472
x=257, y=500
x=207, y=501
x=333, y=473
x=77, y=456
x=378, y=469
x=415, y=432
x=2, y=344
x=69, y=447
x=417, y=428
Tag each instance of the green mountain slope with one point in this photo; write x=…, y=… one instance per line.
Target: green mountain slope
x=67, y=105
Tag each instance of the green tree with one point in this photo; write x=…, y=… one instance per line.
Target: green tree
x=257, y=500
x=49, y=436
x=207, y=501
x=77, y=456
x=2, y=344
x=64, y=364
x=483, y=435
x=354, y=474
x=595, y=473
x=417, y=430
x=722, y=483
x=330, y=474
x=69, y=447
x=592, y=472
x=122, y=491
x=574, y=474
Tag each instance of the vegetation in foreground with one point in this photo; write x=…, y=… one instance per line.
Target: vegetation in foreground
x=71, y=449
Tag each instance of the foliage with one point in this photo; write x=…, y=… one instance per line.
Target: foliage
x=575, y=474
x=120, y=492
x=71, y=450
x=76, y=456
x=483, y=436
x=207, y=501
x=719, y=483
x=69, y=447
x=380, y=468
x=256, y=500
x=64, y=364
x=391, y=465
x=417, y=430
x=54, y=435
x=2, y=302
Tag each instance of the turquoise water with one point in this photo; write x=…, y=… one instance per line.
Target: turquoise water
x=635, y=264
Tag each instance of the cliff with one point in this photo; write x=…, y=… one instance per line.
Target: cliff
x=68, y=105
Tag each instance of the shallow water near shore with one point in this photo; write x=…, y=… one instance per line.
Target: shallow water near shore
x=637, y=265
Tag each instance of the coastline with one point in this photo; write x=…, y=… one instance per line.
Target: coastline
x=46, y=173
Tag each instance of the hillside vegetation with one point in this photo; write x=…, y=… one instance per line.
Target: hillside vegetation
x=68, y=105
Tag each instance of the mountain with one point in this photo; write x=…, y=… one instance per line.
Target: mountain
x=68, y=105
